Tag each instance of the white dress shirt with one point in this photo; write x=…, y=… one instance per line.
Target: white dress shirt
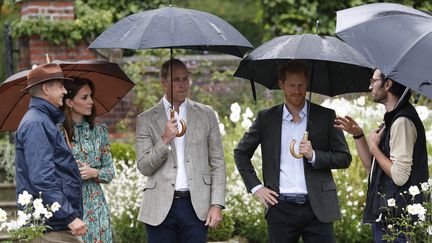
x=181, y=178
x=291, y=178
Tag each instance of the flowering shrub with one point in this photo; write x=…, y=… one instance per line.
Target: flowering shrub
x=30, y=222
x=413, y=222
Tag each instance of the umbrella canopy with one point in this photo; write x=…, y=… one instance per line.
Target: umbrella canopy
x=172, y=27
x=337, y=68
x=111, y=85
x=395, y=38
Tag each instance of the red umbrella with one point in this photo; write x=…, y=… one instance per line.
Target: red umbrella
x=111, y=85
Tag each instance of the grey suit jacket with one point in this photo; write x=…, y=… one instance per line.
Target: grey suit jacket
x=331, y=152
x=204, y=162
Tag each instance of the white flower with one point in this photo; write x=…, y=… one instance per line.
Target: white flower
x=416, y=209
x=3, y=216
x=12, y=225
x=24, y=198
x=413, y=190
x=235, y=117
x=422, y=217
x=391, y=202
x=390, y=226
x=423, y=112
x=430, y=181
x=246, y=123
x=55, y=207
x=248, y=113
x=235, y=108
x=37, y=204
x=429, y=230
x=425, y=186
x=36, y=215
x=349, y=203
x=349, y=188
x=361, y=193
x=48, y=215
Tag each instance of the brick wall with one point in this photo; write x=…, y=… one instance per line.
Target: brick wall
x=52, y=10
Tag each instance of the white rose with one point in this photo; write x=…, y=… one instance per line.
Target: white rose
x=24, y=198
x=37, y=203
x=235, y=117
x=425, y=186
x=235, y=108
x=248, y=113
x=413, y=190
x=55, y=207
x=246, y=123
x=391, y=202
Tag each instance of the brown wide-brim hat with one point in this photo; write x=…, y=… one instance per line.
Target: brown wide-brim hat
x=43, y=73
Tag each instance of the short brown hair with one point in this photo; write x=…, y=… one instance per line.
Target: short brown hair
x=292, y=66
x=165, y=68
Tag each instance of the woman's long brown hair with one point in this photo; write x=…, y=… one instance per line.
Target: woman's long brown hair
x=72, y=88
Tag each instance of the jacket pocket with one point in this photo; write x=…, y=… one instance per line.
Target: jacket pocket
x=150, y=185
x=207, y=179
x=328, y=186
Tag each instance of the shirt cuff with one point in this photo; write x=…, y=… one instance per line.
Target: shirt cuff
x=312, y=161
x=256, y=188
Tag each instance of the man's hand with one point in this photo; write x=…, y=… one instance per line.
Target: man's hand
x=305, y=148
x=171, y=130
x=86, y=171
x=348, y=125
x=375, y=138
x=266, y=196
x=78, y=227
x=214, y=217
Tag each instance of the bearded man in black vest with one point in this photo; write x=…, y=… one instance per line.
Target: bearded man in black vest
x=396, y=157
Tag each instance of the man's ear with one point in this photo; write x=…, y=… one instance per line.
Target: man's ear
x=45, y=88
x=281, y=83
x=388, y=83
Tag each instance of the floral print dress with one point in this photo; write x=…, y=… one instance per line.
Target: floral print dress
x=92, y=146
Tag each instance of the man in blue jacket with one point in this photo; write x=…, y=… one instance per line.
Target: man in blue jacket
x=44, y=162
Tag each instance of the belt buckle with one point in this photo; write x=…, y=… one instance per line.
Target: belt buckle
x=300, y=200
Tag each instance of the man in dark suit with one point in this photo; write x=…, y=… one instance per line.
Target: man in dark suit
x=299, y=193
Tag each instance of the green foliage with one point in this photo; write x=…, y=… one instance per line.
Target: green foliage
x=127, y=230
x=7, y=161
x=8, y=13
x=123, y=151
x=283, y=17
x=224, y=231
x=88, y=24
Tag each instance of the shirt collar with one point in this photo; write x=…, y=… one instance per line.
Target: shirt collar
x=167, y=104
x=287, y=115
x=54, y=113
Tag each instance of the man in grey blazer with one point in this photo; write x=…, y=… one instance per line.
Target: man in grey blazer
x=185, y=190
x=299, y=193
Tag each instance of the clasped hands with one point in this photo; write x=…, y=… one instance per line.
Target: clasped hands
x=86, y=171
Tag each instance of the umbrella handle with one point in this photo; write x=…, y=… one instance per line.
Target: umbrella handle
x=293, y=142
x=182, y=123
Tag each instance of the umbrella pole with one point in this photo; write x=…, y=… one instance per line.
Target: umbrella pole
x=253, y=91
x=172, y=110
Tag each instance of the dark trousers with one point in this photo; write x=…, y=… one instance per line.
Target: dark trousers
x=181, y=225
x=288, y=221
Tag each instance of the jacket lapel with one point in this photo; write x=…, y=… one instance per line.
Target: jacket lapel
x=191, y=119
x=276, y=122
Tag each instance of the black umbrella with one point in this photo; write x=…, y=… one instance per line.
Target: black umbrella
x=173, y=27
x=396, y=39
x=336, y=68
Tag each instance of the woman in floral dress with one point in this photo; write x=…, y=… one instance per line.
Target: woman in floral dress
x=91, y=149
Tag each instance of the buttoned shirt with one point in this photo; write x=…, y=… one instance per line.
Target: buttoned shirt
x=292, y=178
x=181, y=178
